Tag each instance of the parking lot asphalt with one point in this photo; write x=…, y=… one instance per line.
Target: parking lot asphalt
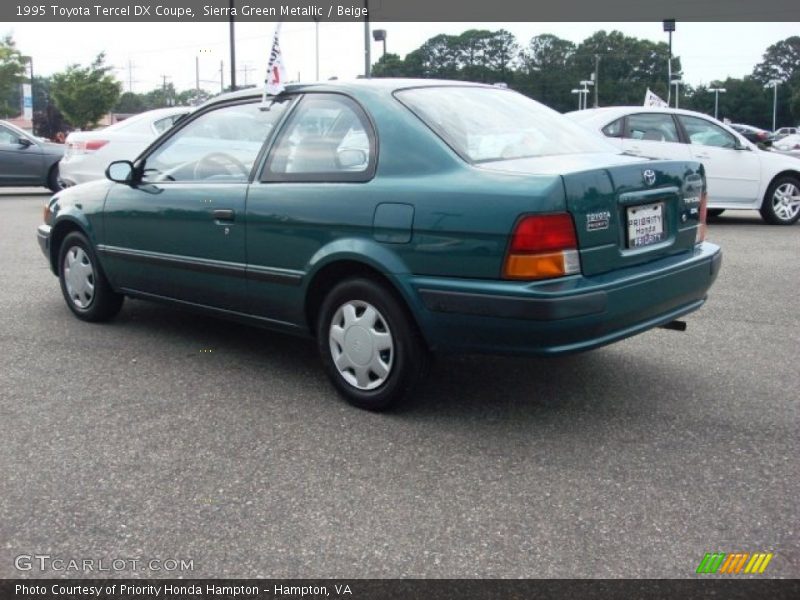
x=167, y=435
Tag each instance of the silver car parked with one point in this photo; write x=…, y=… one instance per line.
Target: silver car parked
x=26, y=160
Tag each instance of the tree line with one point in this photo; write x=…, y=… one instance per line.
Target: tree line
x=546, y=68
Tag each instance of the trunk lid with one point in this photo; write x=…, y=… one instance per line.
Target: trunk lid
x=629, y=211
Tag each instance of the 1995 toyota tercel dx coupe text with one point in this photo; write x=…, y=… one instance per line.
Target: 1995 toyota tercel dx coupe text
x=391, y=218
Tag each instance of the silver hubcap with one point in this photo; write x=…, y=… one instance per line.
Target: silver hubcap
x=361, y=345
x=79, y=277
x=786, y=201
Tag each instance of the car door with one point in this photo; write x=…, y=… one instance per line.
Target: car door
x=180, y=232
x=315, y=187
x=20, y=163
x=732, y=169
x=654, y=135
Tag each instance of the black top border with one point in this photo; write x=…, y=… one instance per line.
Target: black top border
x=608, y=11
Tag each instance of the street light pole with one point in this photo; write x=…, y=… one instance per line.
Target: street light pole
x=717, y=92
x=774, y=83
x=596, y=78
x=669, y=26
x=677, y=83
x=232, y=36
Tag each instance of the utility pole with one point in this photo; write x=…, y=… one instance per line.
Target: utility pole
x=164, y=88
x=221, y=77
x=197, y=76
x=131, y=68
x=246, y=69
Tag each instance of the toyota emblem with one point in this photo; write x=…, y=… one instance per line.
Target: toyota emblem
x=649, y=176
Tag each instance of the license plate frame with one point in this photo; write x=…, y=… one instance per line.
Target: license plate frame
x=645, y=225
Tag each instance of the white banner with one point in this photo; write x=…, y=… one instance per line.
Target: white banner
x=650, y=99
x=276, y=72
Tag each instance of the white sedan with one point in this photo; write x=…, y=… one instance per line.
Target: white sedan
x=90, y=152
x=739, y=174
x=789, y=144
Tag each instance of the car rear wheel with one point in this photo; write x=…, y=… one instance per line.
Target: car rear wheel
x=86, y=289
x=713, y=213
x=53, y=181
x=369, y=345
x=781, y=204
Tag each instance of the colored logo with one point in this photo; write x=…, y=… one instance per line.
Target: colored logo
x=734, y=563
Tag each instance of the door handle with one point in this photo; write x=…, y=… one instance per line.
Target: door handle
x=225, y=214
x=702, y=156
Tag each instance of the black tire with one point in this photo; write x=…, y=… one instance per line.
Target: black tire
x=772, y=211
x=407, y=359
x=100, y=303
x=52, y=179
x=713, y=213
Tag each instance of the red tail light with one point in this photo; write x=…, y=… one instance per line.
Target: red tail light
x=93, y=145
x=84, y=147
x=542, y=246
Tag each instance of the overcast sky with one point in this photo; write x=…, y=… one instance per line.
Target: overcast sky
x=708, y=50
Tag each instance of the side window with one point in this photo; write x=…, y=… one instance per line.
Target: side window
x=327, y=138
x=163, y=124
x=652, y=127
x=217, y=146
x=7, y=136
x=614, y=129
x=705, y=133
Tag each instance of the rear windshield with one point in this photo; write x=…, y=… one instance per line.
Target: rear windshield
x=488, y=124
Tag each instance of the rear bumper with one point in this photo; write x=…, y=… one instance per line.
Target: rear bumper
x=571, y=315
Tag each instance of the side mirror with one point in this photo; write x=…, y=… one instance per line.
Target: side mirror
x=24, y=142
x=120, y=171
x=352, y=159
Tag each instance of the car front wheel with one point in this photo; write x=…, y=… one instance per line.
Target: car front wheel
x=781, y=204
x=369, y=345
x=86, y=289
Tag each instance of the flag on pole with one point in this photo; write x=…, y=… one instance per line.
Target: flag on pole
x=650, y=99
x=276, y=72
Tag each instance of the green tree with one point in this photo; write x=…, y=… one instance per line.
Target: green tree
x=85, y=94
x=389, y=65
x=130, y=103
x=192, y=97
x=781, y=61
x=12, y=73
x=628, y=66
x=548, y=68
x=794, y=105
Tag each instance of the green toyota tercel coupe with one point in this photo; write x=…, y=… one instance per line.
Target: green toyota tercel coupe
x=388, y=219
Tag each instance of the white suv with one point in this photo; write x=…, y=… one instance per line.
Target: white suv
x=739, y=174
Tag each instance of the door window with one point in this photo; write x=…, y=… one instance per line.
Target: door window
x=218, y=146
x=652, y=127
x=7, y=136
x=614, y=129
x=327, y=138
x=705, y=133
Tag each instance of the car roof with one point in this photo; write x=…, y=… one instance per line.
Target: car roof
x=354, y=86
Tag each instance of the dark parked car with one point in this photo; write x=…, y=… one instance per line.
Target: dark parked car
x=388, y=219
x=753, y=134
x=26, y=160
